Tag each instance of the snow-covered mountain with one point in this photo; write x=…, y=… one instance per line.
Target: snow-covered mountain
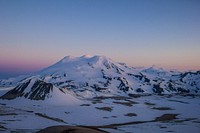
x=89, y=76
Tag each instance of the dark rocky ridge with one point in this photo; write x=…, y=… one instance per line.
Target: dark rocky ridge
x=39, y=91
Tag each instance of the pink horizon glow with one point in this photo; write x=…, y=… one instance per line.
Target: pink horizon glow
x=35, y=65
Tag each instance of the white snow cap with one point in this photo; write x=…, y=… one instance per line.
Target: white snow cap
x=86, y=56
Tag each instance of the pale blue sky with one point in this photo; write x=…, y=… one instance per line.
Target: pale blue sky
x=37, y=33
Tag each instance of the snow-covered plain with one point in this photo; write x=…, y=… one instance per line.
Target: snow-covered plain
x=129, y=114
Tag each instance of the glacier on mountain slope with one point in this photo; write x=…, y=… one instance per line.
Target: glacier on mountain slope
x=100, y=72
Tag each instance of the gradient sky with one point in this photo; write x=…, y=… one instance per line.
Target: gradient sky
x=37, y=33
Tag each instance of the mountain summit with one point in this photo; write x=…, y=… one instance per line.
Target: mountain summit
x=89, y=76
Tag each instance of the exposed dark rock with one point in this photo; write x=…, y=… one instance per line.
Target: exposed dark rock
x=140, y=90
x=181, y=90
x=182, y=75
x=123, y=85
x=109, y=109
x=39, y=91
x=70, y=129
x=162, y=108
x=16, y=92
x=124, y=103
x=130, y=114
x=157, y=89
x=166, y=117
x=50, y=118
x=171, y=87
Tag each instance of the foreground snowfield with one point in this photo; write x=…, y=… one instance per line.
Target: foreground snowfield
x=118, y=114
